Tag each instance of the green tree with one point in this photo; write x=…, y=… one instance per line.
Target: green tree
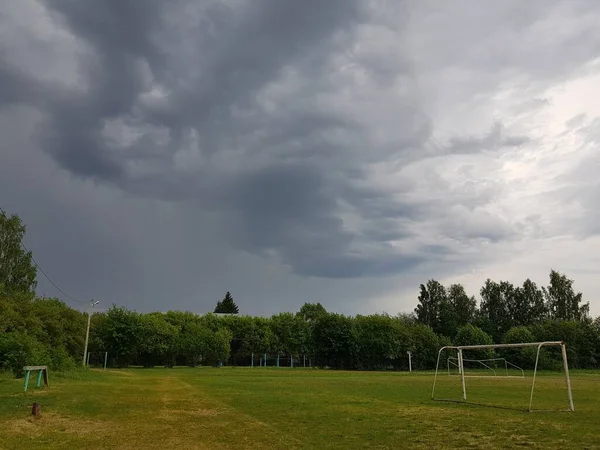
x=563, y=303
x=290, y=334
x=380, y=342
x=17, y=271
x=311, y=311
x=424, y=345
x=333, y=341
x=19, y=349
x=456, y=309
x=39, y=331
x=120, y=332
x=227, y=305
x=432, y=307
x=157, y=340
x=198, y=344
x=534, y=308
x=472, y=335
x=425, y=311
x=248, y=335
x=523, y=357
x=580, y=337
x=495, y=312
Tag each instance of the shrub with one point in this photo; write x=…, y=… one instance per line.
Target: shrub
x=472, y=335
x=20, y=349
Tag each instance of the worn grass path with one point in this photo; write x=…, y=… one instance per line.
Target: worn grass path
x=246, y=408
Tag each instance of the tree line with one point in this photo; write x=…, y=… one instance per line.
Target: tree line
x=502, y=305
x=36, y=330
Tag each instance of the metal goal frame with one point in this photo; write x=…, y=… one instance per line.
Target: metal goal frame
x=539, y=345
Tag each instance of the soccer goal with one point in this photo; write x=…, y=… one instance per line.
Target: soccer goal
x=97, y=359
x=483, y=362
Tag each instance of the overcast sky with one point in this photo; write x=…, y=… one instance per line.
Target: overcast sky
x=340, y=151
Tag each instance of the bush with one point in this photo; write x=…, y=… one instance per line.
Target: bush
x=523, y=357
x=61, y=360
x=472, y=335
x=20, y=349
x=425, y=345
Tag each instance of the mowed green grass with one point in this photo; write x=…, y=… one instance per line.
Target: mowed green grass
x=268, y=408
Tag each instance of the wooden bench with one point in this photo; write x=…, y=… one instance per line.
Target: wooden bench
x=41, y=370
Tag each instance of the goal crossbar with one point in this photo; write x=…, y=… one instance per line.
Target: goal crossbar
x=538, y=345
x=489, y=346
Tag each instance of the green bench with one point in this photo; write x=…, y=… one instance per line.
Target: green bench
x=42, y=372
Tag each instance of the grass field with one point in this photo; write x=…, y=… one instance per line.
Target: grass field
x=243, y=408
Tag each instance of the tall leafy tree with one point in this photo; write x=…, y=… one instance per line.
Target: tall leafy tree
x=157, y=340
x=562, y=301
x=495, y=316
x=380, y=341
x=432, y=298
x=311, y=311
x=526, y=304
x=119, y=331
x=426, y=313
x=17, y=271
x=463, y=306
x=290, y=334
x=227, y=305
x=333, y=340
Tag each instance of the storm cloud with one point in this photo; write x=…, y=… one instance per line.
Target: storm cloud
x=339, y=141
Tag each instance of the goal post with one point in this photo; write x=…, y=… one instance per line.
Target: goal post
x=97, y=359
x=460, y=360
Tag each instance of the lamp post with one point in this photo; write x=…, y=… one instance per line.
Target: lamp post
x=87, y=333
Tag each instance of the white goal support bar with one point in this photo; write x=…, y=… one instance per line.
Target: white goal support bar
x=538, y=345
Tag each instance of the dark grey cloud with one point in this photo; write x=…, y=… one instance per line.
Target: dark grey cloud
x=288, y=135
x=279, y=187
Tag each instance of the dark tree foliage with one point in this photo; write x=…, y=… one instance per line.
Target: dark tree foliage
x=17, y=271
x=227, y=305
x=433, y=305
x=562, y=301
x=333, y=341
x=311, y=311
x=472, y=335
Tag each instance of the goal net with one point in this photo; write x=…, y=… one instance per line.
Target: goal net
x=533, y=373
x=490, y=367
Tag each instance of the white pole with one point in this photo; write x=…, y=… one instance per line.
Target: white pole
x=87, y=333
x=437, y=365
x=409, y=362
x=87, y=336
x=462, y=372
x=537, y=358
x=568, y=378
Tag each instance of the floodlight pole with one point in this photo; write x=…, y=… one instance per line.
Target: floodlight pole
x=87, y=333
